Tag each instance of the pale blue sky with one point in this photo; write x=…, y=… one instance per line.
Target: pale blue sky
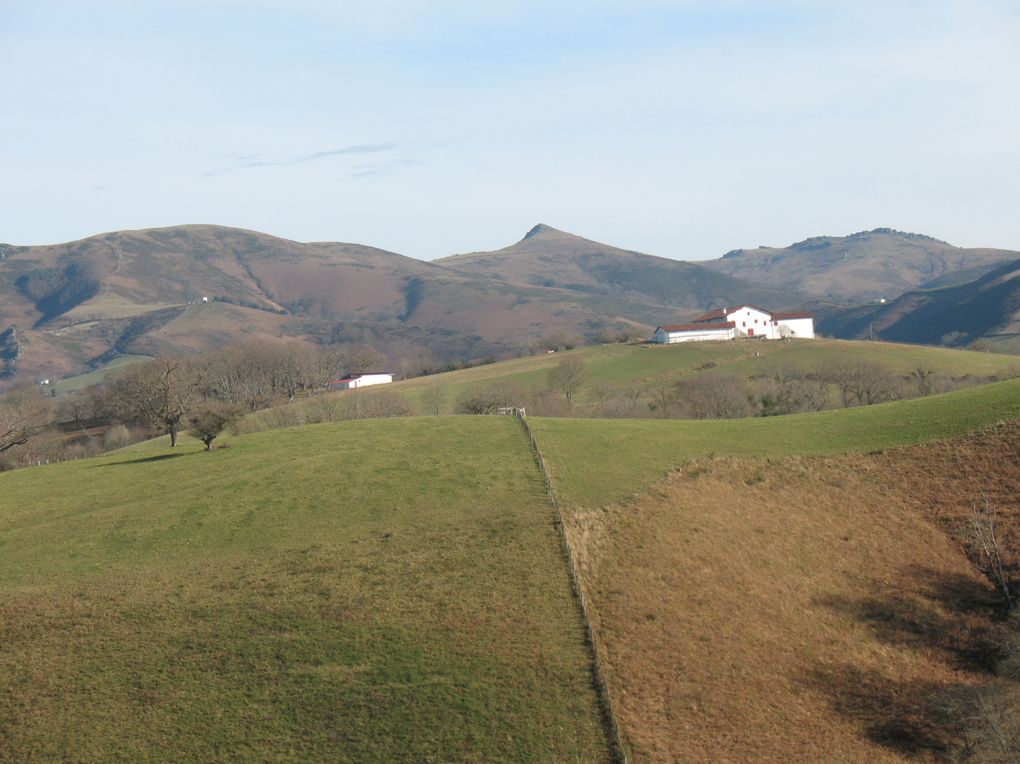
x=682, y=129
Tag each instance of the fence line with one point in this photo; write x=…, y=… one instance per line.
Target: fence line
x=618, y=751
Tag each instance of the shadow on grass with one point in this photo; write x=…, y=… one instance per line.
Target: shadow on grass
x=944, y=615
x=142, y=460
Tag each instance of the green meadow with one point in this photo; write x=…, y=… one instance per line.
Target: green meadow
x=372, y=591
x=600, y=461
x=648, y=366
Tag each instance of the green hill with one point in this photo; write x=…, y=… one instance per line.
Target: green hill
x=600, y=461
x=395, y=590
x=644, y=367
x=378, y=591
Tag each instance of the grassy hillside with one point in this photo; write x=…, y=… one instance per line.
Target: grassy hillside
x=376, y=591
x=600, y=461
x=646, y=367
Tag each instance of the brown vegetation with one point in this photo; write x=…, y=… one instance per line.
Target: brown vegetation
x=809, y=609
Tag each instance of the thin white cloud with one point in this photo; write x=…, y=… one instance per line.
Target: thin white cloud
x=232, y=163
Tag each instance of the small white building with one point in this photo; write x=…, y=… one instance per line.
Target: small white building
x=360, y=380
x=739, y=321
x=667, y=335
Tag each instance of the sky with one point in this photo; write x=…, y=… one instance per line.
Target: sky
x=680, y=129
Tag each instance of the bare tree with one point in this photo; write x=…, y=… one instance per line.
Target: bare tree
x=487, y=398
x=860, y=383
x=24, y=413
x=433, y=399
x=359, y=359
x=985, y=546
x=76, y=408
x=922, y=377
x=713, y=396
x=161, y=393
x=567, y=377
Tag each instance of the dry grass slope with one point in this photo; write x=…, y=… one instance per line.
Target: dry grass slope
x=795, y=609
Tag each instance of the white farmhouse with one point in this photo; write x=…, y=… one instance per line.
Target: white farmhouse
x=360, y=380
x=739, y=321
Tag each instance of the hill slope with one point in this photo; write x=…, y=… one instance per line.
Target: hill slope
x=868, y=265
x=986, y=308
x=134, y=291
x=548, y=257
x=294, y=599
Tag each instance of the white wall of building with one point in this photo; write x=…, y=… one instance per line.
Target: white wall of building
x=697, y=335
x=752, y=322
x=803, y=328
x=366, y=380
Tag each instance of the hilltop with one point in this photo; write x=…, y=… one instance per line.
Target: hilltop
x=553, y=258
x=869, y=265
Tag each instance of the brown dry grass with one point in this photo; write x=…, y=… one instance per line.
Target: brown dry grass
x=803, y=609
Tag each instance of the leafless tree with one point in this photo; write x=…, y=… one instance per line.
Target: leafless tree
x=433, y=399
x=860, y=383
x=567, y=377
x=923, y=378
x=713, y=396
x=24, y=413
x=986, y=547
x=161, y=392
x=359, y=359
x=75, y=408
x=485, y=399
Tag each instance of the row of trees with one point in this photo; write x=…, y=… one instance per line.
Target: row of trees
x=713, y=394
x=203, y=394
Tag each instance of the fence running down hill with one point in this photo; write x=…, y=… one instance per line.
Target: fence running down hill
x=618, y=751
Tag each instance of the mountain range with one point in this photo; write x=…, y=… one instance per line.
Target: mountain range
x=183, y=289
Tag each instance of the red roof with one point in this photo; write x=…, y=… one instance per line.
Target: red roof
x=712, y=315
x=697, y=327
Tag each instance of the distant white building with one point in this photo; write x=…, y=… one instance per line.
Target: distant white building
x=360, y=380
x=740, y=321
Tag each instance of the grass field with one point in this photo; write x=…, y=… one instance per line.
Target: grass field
x=81, y=381
x=600, y=461
x=394, y=590
x=611, y=366
x=374, y=591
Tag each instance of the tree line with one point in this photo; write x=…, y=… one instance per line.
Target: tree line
x=204, y=394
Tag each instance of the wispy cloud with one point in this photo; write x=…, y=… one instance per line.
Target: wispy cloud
x=384, y=168
x=235, y=162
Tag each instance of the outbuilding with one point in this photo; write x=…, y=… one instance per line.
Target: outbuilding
x=360, y=380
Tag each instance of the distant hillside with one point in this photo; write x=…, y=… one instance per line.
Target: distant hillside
x=986, y=308
x=192, y=288
x=552, y=258
x=869, y=265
